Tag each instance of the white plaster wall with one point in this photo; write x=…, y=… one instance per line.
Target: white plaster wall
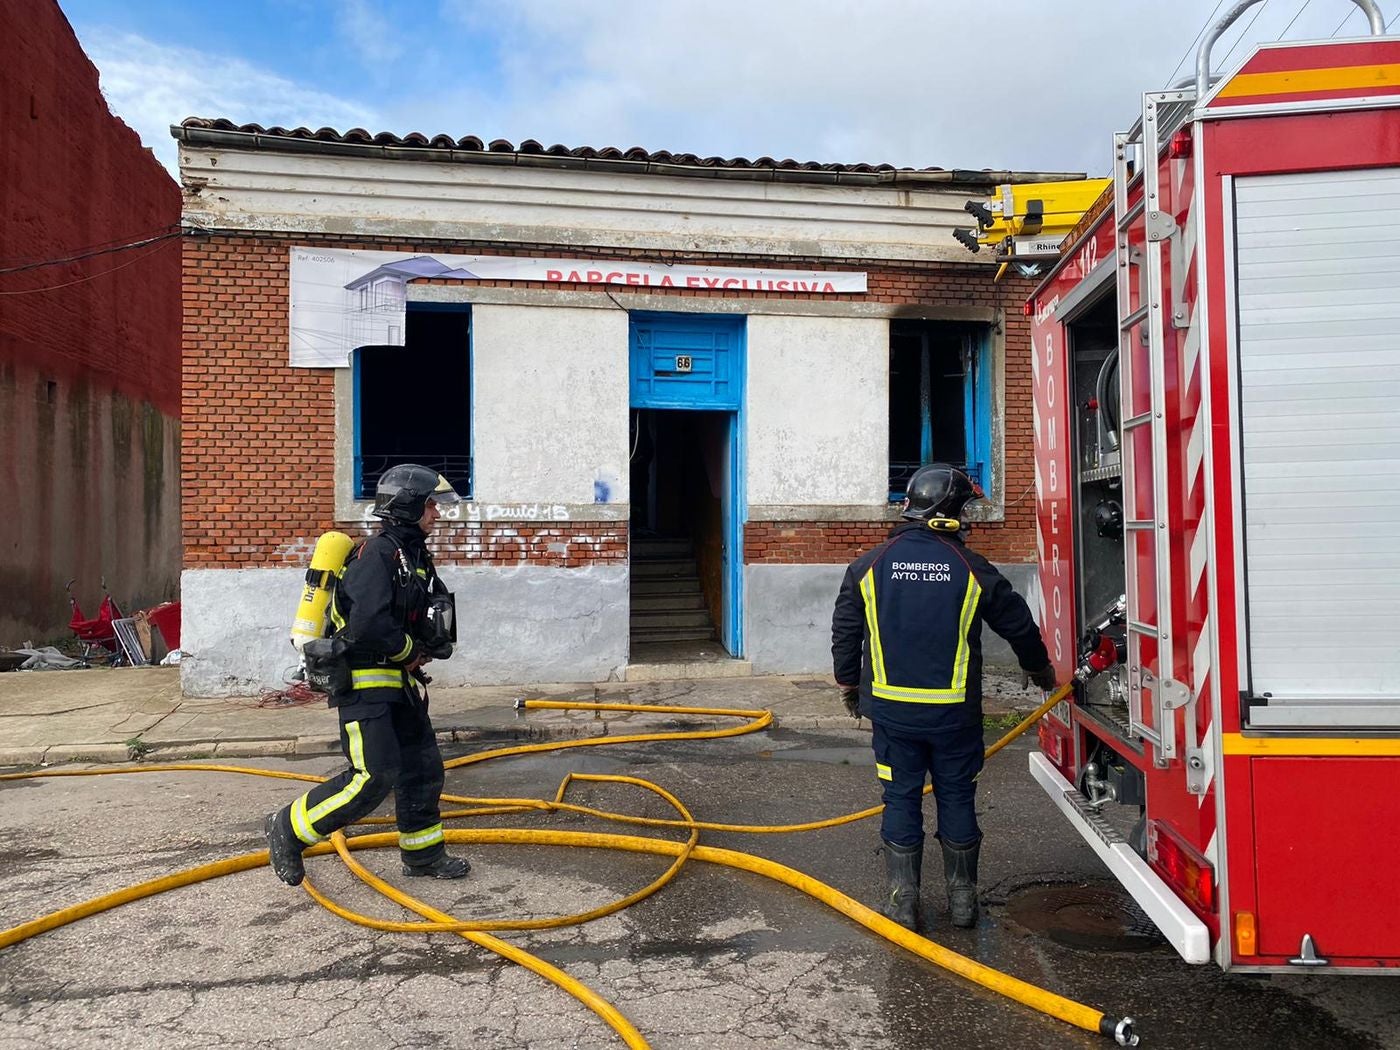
x=235, y=629
x=817, y=409
x=550, y=397
x=524, y=624
x=370, y=195
x=789, y=609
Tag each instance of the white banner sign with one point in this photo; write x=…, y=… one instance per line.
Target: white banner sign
x=341, y=300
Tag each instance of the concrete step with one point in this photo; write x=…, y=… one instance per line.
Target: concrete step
x=644, y=620
x=667, y=601
x=663, y=567
x=664, y=672
x=647, y=549
x=650, y=585
x=671, y=634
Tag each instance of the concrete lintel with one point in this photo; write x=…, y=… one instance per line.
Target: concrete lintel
x=626, y=299
x=984, y=511
x=820, y=513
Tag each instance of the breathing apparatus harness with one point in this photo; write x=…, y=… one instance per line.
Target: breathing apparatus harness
x=434, y=632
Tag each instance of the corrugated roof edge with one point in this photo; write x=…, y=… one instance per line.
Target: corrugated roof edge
x=203, y=131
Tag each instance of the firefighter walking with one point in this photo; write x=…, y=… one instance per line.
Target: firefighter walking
x=391, y=615
x=907, y=654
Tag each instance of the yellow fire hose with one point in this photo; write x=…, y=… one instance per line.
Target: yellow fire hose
x=1046, y=1002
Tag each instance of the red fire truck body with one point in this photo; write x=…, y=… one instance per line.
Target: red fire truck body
x=1217, y=441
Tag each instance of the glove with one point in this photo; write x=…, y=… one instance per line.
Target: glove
x=850, y=696
x=1044, y=678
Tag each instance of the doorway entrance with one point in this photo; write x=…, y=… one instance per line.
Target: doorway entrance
x=687, y=488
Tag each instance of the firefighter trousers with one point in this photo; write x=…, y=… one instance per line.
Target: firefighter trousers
x=905, y=759
x=391, y=747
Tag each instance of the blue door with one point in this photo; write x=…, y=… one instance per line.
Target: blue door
x=695, y=362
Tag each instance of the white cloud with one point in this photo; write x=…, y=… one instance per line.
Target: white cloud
x=151, y=86
x=374, y=38
x=1014, y=84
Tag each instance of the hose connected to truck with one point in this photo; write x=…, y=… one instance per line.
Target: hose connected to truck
x=681, y=852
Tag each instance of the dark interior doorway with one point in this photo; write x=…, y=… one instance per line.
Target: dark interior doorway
x=679, y=478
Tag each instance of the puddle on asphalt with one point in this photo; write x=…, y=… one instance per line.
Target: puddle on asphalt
x=1098, y=918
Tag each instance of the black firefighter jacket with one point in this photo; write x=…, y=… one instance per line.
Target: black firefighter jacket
x=377, y=602
x=908, y=629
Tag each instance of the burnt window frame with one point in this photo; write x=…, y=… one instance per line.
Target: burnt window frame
x=415, y=388
x=974, y=345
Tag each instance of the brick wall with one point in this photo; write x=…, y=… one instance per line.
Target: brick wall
x=89, y=347
x=838, y=542
x=259, y=440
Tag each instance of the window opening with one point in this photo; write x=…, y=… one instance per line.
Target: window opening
x=413, y=402
x=940, y=399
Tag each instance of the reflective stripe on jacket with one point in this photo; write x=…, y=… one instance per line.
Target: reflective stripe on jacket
x=908, y=623
x=376, y=602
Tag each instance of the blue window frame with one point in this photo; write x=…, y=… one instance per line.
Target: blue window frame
x=940, y=399
x=413, y=403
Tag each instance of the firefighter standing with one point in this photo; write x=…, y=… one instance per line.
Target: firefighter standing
x=390, y=610
x=906, y=646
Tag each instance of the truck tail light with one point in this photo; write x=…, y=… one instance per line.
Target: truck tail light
x=1246, y=937
x=1186, y=870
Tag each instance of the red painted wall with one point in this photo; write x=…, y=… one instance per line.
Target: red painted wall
x=89, y=350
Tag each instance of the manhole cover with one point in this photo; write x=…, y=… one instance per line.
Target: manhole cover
x=1102, y=918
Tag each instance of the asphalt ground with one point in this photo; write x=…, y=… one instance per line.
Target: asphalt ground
x=717, y=959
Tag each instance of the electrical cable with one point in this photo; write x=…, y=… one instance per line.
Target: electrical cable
x=1343, y=22
x=753, y=720
x=1306, y=4
x=91, y=253
x=1210, y=21
x=95, y=276
x=1238, y=39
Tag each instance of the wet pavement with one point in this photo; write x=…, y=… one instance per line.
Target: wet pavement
x=718, y=959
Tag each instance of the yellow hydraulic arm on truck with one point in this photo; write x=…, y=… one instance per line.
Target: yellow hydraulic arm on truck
x=1026, y=223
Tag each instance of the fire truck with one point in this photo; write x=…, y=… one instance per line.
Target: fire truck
x=1217, y=443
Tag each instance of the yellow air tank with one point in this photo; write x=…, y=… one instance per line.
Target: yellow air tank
x=326, y=562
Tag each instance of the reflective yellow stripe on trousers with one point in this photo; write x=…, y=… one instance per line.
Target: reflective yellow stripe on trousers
x=303, y=821
x=376, y=678
x=421, y=839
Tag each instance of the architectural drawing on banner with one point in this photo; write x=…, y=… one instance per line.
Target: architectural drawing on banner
x=375, y=301
x=341, y=300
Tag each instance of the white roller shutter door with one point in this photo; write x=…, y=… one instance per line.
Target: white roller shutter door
x=1318, y=263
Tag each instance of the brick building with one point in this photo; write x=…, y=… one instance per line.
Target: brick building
x=89, y=340
x=680, y=394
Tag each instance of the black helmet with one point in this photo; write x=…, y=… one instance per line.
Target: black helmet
x=939, y=491
x=403, y=492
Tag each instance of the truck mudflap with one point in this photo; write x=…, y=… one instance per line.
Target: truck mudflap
x=1178, y=923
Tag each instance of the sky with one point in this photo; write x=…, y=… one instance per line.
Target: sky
x=1003, y=84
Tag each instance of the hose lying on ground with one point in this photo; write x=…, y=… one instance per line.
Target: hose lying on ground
x=1044, y=1001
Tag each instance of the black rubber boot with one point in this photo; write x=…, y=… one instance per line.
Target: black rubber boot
x=960, y=871
x=284, y=848
x=445, y=867
x=904, y=866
